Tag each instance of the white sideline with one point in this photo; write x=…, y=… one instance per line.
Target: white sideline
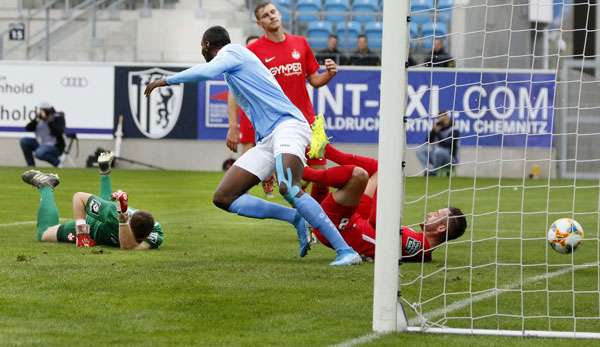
x=462, y=303
x=16, y=224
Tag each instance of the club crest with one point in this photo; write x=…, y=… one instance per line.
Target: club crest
x=295, y=54
x=156, y=115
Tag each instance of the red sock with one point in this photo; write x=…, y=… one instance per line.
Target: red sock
x=319, y=192
x=336, y=177
x=343, y=158
x=373, y=215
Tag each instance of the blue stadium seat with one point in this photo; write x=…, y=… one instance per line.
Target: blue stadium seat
x=433, y=31
x=444, y=10
x=365, y=10
x=414, y=34
x=281, y=4
x=307, y=10
x=421, y=5
x=318, y=33
x=334, y=8
x=347, y=33
x=420, y=18
x=373, y=30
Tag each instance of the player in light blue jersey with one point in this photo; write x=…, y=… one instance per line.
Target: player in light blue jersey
x=282, y=135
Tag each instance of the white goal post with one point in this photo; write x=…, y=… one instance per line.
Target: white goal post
x=526, y=102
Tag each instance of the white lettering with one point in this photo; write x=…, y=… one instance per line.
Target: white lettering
x=356, y=89
x=467, y=102
x=541, y=103
x=414, y=101
x=508, y=104
x=336, y=103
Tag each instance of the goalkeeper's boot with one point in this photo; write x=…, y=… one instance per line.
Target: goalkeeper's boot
x=105, y=162
x=318, y=138
x=39, y=179
x=346, y=257
x=302, y=229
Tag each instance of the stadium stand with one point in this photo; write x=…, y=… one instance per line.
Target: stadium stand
x=335, y=10
x=373, y=30
x=308, y=10
x=318, y=33
x=347, y=33
x=365, y=10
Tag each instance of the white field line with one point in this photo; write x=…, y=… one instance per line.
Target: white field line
x=14, y=224
x=466, y=302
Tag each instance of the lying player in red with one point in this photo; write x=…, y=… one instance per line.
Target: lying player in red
x=352, y=209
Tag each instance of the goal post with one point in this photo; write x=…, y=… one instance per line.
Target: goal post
x=522, y=89
x=390, y=154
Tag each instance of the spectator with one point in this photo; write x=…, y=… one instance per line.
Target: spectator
x=441, y=147
x=49, y=143
x=331, y=52
x=439, y=57
x=363, y=55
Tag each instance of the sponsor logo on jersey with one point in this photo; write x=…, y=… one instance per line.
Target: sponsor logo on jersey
x=95, y=206
x=295, y=54
x=268, y=60
x=290, y=69
x=343, y=223
x=413, y=246
x=155, y=116
x=70, y=236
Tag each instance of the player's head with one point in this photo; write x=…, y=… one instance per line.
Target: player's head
x=141, y=224
x=267, y=16
x=444, y=119
x=332, y=42
x=251, y=39
x=450, y=223
x=214, y=38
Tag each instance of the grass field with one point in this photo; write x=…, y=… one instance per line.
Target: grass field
x=223, y=280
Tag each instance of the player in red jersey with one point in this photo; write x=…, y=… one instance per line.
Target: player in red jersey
x=247, y=136
x=352, y=208
x=292, y=63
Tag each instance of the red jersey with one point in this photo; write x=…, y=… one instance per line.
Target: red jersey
x=291, y=62
x=359, y=233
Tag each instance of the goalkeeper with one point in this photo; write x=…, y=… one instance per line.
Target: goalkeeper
x=98, y=220
x=352, y=208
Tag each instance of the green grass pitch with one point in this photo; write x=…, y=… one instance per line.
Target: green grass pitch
x=224, y=280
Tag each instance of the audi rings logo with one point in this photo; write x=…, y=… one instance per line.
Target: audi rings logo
x=74, y=82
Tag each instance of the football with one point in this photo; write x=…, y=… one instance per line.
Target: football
x=565, y=235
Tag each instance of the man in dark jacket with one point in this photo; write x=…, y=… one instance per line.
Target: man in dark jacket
x=439, y=57
x=363, y=56
x=331, y=52
x=441, y=147
x=49, y=143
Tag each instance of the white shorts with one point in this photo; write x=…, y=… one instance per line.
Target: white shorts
x=290, y=137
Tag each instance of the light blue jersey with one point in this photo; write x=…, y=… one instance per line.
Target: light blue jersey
x=254, y=87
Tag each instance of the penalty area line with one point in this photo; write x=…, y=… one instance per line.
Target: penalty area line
x=14, y=224
x=466, y=302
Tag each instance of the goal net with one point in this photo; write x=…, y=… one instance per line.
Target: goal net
x=520, y=81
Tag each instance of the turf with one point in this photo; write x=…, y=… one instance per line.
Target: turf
x=223, y=280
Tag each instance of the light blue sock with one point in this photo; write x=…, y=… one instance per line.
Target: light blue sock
x=253, y=207
x=310, y=209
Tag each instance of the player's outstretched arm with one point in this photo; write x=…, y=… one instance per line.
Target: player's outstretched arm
x=320, y=79
x=233, y=133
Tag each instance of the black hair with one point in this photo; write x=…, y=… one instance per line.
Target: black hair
x=333, y=36
x=141, y=224
x=250, y=38
x=362, y=36
x=457, y=223
x=216, y=36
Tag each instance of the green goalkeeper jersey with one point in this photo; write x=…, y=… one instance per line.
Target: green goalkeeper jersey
x=103, y=218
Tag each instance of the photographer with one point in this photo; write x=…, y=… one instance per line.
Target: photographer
x=441, y=146
x=49, y=143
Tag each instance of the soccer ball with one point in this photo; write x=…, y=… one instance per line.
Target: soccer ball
x=565, y=235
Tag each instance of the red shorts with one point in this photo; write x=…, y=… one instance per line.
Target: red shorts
x=247, y=134
x=356, y=230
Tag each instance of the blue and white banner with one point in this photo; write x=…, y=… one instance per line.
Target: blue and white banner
x=490, y=108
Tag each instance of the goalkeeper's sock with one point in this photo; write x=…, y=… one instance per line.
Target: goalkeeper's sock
x=105, y=187
x=253, y=207
x=343, y=158
x=373, y=214
x=319, y=192
x=316, y=217
x=336, y=177
x=47, y=212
